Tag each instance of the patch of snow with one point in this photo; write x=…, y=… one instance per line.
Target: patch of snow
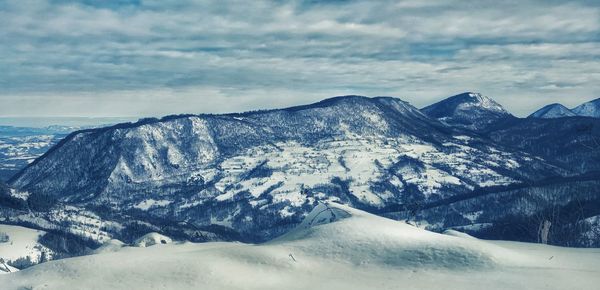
x=149, y=203
x=151, y=239
x=463, y=138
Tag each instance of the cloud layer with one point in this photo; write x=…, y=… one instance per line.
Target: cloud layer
x=139, y=58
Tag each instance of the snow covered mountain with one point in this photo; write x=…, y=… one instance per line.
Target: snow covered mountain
x=468, y=110
x=553, y=111
x=257, y=174
x=335, y=247
x=589, y=109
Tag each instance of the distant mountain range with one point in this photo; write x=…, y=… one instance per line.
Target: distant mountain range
x=589, y=109
x=464, y=162
x=20, y=146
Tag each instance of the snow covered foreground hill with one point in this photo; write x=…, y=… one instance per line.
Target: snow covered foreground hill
x=336, y=247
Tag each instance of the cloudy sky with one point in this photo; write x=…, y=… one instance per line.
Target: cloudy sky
x=157, y=57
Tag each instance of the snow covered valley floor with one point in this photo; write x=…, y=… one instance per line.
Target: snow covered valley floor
x=336, y=247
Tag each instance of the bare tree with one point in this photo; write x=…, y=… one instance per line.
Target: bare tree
x=544, y=231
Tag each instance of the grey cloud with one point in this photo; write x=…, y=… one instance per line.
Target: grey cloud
x=277, y=52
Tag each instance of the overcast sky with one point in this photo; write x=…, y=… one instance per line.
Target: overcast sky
x=158, y=57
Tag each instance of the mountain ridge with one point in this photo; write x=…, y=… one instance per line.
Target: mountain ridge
x=587, y=109
x=148, y=121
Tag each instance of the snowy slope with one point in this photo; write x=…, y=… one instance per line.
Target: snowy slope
x=553, y=111
x=21, y=243
x=337, y=247
x=589, y=109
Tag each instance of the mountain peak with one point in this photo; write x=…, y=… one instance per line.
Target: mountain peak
x=552, y=111
x=468, y=110
x=589, y=109
x=478, y=100
x=466, y=101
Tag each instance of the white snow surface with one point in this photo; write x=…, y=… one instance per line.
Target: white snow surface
x=22, y=243
x=112, y=245
x=336, y=247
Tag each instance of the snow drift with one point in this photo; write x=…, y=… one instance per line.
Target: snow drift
x=336, y=247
